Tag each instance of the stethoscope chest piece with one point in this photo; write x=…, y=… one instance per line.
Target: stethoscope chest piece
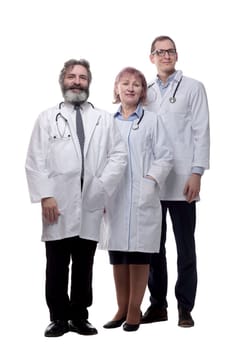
x=172, y=99
x=136, y=126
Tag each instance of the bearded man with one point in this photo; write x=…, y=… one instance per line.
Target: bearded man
x=75, y=160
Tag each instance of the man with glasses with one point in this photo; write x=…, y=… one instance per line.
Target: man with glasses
x=181, y=103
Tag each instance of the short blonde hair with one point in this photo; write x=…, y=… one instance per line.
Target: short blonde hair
x=139, y=75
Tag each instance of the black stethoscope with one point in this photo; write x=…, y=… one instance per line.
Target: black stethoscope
x=136, y=126
x=59, y=116
x=172, y=99
x=61, y=133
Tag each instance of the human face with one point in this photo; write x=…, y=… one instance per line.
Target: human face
x=129, y=89
x=76, y=85
x=165, y=64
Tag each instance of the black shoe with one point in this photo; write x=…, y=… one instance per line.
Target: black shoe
x=130, y=327
x=185, y=318
x=114, y=324
x=83, y=327
x=56, y=328
x=153, y=314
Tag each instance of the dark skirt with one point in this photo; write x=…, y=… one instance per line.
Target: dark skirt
x=138, y=258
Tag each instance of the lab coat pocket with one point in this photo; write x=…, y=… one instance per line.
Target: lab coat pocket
x=149, y=194
x=62, y=157
x=94, y=195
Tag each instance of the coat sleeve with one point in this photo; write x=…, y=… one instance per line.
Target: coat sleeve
x=163, y=155
x=39, y=184
x=200, y=126
x=117, y=159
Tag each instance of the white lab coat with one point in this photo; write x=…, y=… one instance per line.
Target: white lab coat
x=133, y=215
x=53, y=168
x=187, y=124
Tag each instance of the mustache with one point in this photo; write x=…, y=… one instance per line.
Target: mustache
x=75, y=86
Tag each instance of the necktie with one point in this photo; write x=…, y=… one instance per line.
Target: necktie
x=81, y=135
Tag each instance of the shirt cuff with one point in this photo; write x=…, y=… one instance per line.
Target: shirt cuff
x=198, y=170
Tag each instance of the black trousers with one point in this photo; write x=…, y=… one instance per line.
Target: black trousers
x=73, y=254
x=183, y=218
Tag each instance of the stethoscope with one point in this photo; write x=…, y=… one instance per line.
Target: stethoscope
x=172, y=99
x=60, y=132
x=136, y=126
x=59, y=116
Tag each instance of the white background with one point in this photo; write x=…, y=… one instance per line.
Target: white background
x=36, y=38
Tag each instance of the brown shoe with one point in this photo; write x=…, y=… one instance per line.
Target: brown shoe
x=185, y=318
x=154, y=314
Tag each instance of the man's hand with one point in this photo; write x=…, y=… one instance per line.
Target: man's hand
x=192, y=187
x=50, y=210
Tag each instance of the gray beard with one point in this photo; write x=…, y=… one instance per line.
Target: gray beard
x=75, y=98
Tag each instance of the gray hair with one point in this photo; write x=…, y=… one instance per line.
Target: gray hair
x=72, y=63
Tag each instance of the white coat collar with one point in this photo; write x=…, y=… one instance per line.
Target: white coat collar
x=90, y=116
x=154, y=90
x=177, y=77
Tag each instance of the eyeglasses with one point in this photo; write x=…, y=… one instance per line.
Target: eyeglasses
x=161, y=53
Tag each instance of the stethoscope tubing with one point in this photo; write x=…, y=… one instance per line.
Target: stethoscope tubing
x=58, y=116
x=136, y=127
x=172, y=99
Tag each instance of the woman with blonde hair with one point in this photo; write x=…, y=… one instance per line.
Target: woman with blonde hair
x=133, y=214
